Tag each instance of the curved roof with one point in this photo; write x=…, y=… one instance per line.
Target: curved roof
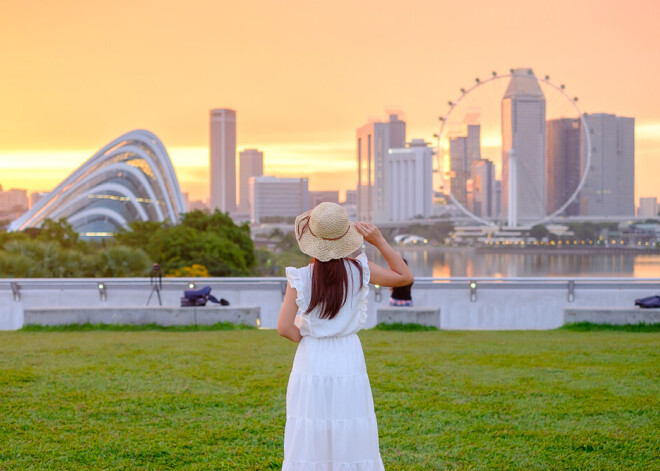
x=523, y=83
x=131, y=178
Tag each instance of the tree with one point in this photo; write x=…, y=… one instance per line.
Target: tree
x=211, y=240
x=60, y=232
x=539, y=231
x=40, y=259
x=119, y=261
x=585, y=230
x=30, y=258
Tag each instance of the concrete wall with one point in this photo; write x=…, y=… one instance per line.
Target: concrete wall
x=496, y=303
x=608, y=315
x=408, y=315
x=160, y=315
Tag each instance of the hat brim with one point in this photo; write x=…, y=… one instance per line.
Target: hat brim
x=324, y=250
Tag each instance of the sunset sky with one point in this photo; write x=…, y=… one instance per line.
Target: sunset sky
x=302, y=75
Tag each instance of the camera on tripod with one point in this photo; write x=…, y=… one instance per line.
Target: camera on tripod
x=156, y=279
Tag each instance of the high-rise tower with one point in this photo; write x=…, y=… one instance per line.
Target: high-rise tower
x=523, y=148
x=483, y=188
x=373, y=142
x=609, y=189
x=463, y=151
x=223, y=160
x=563, y=163
x=411, y=181
x=251, y=164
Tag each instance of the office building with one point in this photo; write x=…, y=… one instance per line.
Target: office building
x=523, y=149
x=130, y=179
x=563, y=164
x=410, y=185
x=193, y=205
x=648, y=208
x=251, y=164
x=463, y=150
x=373, y=143
x=36, y=196
x=351, y=197
x=277, y=198
x=13, y=202
x=483, y=189
x=222, y=155
x=609, y=189
x=318, y=197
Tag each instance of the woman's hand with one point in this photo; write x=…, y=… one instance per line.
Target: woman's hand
x=370, y=233
x=398, y=273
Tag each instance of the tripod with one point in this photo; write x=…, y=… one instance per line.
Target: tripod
x=156, y=279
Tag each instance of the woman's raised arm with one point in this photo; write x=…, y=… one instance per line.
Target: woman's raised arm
x=398, y=273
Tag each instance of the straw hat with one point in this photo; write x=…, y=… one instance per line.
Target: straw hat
x=326, y=234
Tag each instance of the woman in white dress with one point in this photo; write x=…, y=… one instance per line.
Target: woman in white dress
x=330, y=419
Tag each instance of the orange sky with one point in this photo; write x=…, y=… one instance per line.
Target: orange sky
x=302, y=75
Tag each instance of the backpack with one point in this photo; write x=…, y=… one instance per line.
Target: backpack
x=199, y=297
x=650, y=302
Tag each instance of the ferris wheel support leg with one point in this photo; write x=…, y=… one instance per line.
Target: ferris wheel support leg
x=513, y=190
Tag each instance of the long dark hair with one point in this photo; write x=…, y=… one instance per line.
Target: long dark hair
x=330, y=286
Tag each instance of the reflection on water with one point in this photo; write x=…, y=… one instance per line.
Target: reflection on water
x=466, y=262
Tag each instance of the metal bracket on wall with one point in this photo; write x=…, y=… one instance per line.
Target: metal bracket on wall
x=102, y=291
x=16, y=291
x=571, y=291
x=378, y=295
x=473, y=291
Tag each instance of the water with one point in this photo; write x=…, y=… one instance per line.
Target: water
x=467, y=262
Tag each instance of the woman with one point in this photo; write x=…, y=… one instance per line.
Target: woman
x=401, y=295
x=331, y=422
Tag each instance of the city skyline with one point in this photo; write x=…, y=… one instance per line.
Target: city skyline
x=302, y=84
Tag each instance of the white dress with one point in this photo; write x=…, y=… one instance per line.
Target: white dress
x=330, y=419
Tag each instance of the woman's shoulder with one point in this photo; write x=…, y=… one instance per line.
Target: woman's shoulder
x=364, y=263
x=362, y=258
x=296, y=275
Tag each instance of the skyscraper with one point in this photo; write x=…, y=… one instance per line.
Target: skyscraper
x=609, y=189
x=326, y=196
x=457, y=158
x=483, y=188
x=463, y=150
x=410, y=172
x=648, y=207
x=523, y=148
x=563, y=163
x=223, y=160
x=251, y=164
x=272, y=197
x=373, y=142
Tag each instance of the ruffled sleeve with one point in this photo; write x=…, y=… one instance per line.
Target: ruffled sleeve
x=296, y=282
x=366, y=274
x=364, y=292
x=294, y=279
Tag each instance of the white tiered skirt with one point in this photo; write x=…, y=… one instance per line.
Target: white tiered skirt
x=330, y=423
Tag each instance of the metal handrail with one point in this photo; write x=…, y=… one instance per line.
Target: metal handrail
x=10, y=284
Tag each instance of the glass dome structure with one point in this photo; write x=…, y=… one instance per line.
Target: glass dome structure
x=131, y=178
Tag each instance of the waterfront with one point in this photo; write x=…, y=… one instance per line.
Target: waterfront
x=446, y=262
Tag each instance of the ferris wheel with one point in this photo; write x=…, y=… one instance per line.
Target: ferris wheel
x=508, y=124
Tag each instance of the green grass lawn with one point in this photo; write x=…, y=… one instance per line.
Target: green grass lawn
x=444, y=400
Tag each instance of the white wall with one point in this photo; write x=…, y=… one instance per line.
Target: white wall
x=506, y=304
